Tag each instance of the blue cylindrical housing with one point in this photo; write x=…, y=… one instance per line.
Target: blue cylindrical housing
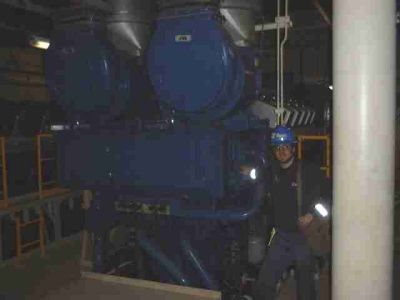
x=196, y=70
x=86, y=75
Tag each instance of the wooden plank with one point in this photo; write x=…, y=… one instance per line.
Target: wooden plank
x=175, y=291
x=100, y=286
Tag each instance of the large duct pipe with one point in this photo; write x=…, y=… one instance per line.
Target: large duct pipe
x=164, y=4
x=240, y=19
x=239, y=15
x=364, y=111
x=130, y=25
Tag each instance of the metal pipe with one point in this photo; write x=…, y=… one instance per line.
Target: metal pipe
x=190, y=254
x=130, y=25
x=282, y=59
x=322, y=12
x=162, y=259
x=364, y=56
x=278, y=58
x=300, y=148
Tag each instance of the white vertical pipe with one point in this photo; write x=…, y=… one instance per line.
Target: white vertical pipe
x=364, y=36
x=282, y=58
x=278, y=58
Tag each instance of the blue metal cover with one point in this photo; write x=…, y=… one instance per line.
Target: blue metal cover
x=84, y=73
x=178, y=162
x=194, y=67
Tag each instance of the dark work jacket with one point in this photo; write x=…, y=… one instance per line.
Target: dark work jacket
x=281, y=203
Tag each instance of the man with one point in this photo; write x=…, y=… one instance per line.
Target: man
x=295, y=188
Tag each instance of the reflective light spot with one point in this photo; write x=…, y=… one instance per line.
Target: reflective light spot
x=321, y=210
x=253, y=174
x=57, y=127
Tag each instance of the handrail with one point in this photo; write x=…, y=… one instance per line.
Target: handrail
x=327, y=139
x=4, y=184
x=40, y=160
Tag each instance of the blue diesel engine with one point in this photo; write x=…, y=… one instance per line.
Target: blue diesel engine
x=174, y=176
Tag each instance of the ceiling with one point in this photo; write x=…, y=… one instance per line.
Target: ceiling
x=20, y=18
x=270, y=6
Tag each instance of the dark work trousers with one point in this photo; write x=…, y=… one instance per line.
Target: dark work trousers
x=286, y=249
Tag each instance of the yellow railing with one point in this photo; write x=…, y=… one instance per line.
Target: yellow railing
x=40, y=160
x=323, y=138
x=4, y=198
x=42, y=193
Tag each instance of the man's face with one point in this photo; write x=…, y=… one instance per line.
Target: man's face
x=283, y=153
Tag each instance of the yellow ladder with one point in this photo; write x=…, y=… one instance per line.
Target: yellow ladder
x=19, y=226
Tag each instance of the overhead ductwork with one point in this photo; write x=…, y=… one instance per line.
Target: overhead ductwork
x=240, y=19
x=163, y=4
x=238, y=15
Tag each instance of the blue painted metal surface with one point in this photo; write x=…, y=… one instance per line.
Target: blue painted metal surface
x=85, y=74
x=189, y=161
x=231, y=215
x=198, y=164
x=196, y=70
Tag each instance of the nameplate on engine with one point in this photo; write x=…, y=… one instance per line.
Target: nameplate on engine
x=183, y=38
x=142, y=208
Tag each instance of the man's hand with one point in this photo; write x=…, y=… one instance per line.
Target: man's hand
x=305, y=220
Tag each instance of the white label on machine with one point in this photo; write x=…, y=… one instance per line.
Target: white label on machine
x=183, y=38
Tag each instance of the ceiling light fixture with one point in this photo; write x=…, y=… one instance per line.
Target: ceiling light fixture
x=39, y=42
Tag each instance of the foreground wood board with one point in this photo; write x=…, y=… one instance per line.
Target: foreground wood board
x=99, y=286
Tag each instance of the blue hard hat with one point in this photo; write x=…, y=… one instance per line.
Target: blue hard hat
x=282, y=135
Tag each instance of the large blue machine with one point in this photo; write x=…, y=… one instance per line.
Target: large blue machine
x=177, y=181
